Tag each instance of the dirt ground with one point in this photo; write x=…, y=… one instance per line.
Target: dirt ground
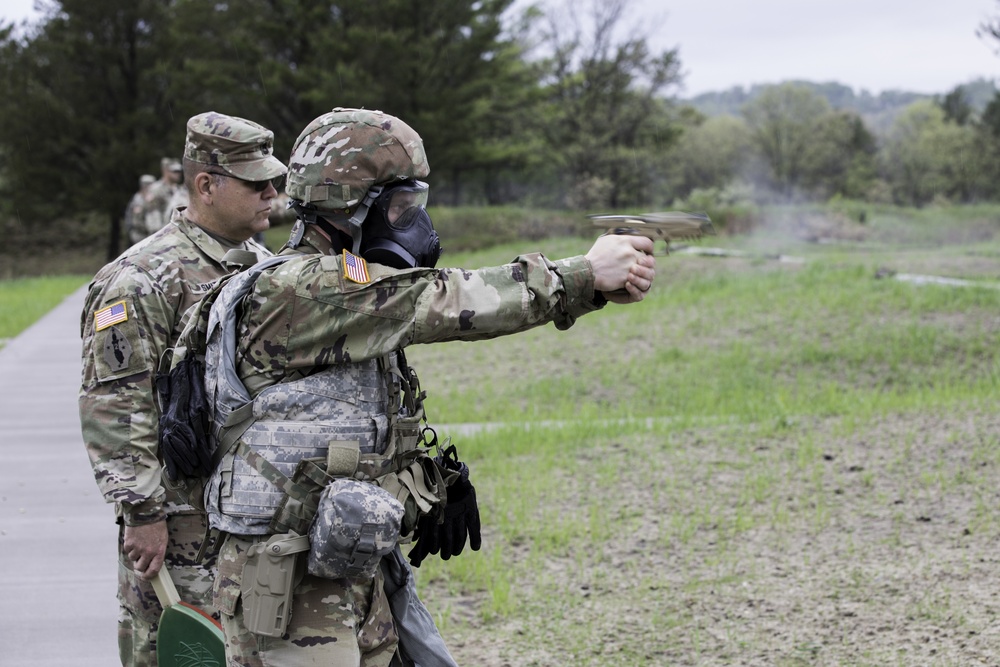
x=799, y=548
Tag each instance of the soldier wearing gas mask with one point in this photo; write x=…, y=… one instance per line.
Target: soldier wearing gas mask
x=326, y=463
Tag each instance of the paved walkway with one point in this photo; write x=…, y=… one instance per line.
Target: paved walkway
x=57, y=536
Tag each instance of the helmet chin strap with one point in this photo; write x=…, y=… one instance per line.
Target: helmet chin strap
x=360, y=214
x=307, y=215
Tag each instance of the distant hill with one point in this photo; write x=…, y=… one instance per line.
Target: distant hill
x=877, y=110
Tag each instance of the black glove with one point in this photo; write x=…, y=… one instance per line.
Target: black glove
x=183, y=438
x=460, y=518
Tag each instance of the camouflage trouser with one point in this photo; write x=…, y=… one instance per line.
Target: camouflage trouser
x=140, y=610
x=335, y=622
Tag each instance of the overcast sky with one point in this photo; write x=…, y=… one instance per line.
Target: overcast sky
x=926, y=46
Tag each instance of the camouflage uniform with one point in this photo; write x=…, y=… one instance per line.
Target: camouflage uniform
x=178, y=200
x=135, y=225
x=313, y=318
x=139, y=299
x=157, y=211
x=306, y=315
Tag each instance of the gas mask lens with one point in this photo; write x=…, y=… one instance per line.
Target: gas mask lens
x=400, y=204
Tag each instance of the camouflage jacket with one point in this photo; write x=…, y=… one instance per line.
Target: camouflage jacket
x=307, y=313
x=135, y=225
x=156, y=212
x=131, y=317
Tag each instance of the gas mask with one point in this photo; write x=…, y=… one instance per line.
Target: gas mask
x=397, y=231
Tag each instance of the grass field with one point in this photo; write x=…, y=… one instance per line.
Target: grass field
x=785, y=456
x=24, y=300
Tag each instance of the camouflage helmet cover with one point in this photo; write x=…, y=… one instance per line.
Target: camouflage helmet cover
x=344, y=152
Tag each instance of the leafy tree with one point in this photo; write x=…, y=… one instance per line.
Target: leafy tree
x=840, y=158
x=451, y=70
x=280, y=63
x=783, y=122
x=956, y=106
x=709, y=154
x=81, y=115
x=988, y=139
x=990, y=119
x=107, y=86
x=608, y=126
x=925, y=157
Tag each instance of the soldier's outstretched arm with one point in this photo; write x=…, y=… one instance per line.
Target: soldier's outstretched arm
x=311, y=309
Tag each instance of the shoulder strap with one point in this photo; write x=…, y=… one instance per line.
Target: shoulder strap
x=240, y=259
x=222, y=318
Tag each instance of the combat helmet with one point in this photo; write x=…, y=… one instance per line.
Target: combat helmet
x=342, y=160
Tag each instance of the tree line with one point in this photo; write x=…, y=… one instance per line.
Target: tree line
x=789, y=143
x=564, y=106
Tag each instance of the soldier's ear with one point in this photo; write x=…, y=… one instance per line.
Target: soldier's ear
x=203, y=184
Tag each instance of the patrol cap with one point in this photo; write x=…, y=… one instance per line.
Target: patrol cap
x=237, y=146
x=146, y=179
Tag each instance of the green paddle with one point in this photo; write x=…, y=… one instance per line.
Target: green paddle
x=187, y=637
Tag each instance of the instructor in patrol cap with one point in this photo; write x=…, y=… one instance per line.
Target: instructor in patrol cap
x=130, y=319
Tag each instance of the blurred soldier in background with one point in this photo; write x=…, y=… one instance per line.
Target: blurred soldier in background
x=179, y=199
x=130, y=319
x=135, y=224
x=157, y=212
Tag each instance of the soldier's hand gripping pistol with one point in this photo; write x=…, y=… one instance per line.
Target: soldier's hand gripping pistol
x=669, y=226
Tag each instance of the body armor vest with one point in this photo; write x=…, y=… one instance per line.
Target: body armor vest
x=277, y=451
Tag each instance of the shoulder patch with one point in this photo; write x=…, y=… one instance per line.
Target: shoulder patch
x=117, y=350
x=356, y=268
x=110, y=315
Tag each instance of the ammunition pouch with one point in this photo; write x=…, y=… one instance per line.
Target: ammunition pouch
x=405, y=472
x=298, y=508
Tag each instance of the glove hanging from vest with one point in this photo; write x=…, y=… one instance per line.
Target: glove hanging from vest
x=460, y=519
x=183, y=428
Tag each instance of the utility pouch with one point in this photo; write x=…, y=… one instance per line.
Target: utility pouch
x=421, y=488
x=357, y=524
x=183, y=425
x=297, y=508
x=407, y=432
x=296, y=511
x=269, y=577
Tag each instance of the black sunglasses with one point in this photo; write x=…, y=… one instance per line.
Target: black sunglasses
x=258, y=186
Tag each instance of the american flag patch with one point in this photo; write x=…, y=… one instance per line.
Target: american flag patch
x=113, y=314
x=356, y=268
